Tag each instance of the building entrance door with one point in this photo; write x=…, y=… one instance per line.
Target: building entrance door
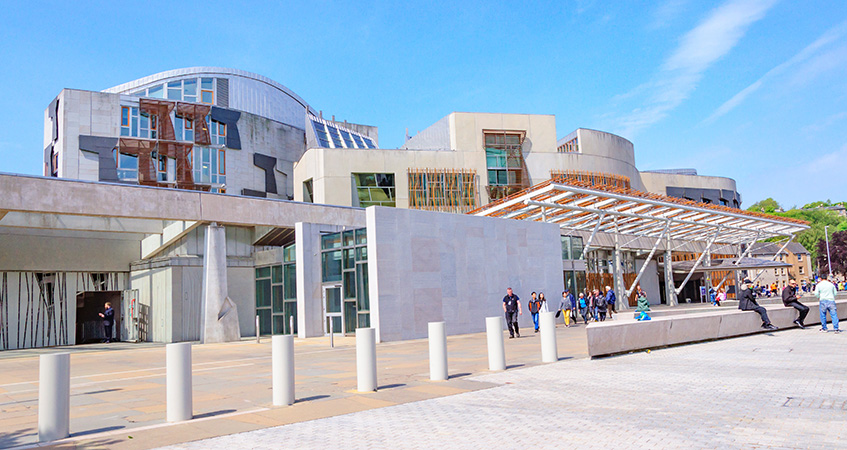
x=89, y=324
x=333, y=312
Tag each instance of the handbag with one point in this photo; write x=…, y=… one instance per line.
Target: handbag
x=558, y=313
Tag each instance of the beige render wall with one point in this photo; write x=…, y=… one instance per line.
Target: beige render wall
x=332, y=170
x=658, y=182
x=83, y=113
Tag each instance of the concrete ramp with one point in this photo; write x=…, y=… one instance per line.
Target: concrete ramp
x=620, y=336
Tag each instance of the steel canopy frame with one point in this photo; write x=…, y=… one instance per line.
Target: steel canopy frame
x=582, y=208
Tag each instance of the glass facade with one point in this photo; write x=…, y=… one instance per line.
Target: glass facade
x=374, y=189
x=276, y=295
x=344, y=259
x=330, y=136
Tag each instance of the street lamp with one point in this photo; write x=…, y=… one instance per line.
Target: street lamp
x=828, y=262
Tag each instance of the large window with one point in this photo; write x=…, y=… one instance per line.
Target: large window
x=209, y=166
x=505, y=163
x=442, y=190
x=217, y=131
x=571, y=247
x=127, y=165
x=276, y=295
x=344, y=258
x=138, y=124
x=374, y=189
x=182, y=90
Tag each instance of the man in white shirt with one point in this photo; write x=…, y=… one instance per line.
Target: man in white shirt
x=825, y=291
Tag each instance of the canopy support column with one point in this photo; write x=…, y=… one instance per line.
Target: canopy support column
x=670, y=292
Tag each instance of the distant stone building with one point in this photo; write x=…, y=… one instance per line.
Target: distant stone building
x=794, y=254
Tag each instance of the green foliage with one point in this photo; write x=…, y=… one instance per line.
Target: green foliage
x=767, y=205
x=817, y=218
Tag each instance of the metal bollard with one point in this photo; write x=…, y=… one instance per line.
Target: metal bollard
x=549, y=347
x=496, y=348
x=282, y=361
x=437, y=351
x=366, y=359
x=258, y=331
x=54, y=396
x=179, y=404
x=291, y=325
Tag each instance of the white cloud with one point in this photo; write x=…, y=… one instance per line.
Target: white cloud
x=666, y=13
x=830, y=164
x=698, y=50
x=825, y=123
x=820, y=62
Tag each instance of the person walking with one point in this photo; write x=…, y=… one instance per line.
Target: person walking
x=108, y=321
x=583, y=307
x=789, y=298
x=543, y=300
x=825, y=292
x=568, y=307
x=512, y=308
x=534, y=307
x=747, y=302
x=610, y=301
x=599, y=306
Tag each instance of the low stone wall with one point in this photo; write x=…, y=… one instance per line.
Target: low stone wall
x=608, y=338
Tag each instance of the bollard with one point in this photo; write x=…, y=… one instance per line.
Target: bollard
x=437, y=351
x=496, y=349
x=258, y=332
x=291, y=325
x=282, y=361
x=549, y=348
x=366, y=359
x=54, y=396
x=179, y=382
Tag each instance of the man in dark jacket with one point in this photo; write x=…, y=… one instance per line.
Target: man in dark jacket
x=512, y=308
x=747, y=302
x=108, y=320
x=789, y=298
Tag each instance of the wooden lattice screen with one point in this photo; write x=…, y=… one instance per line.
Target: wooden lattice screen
x=593, y=178
x=445, y=190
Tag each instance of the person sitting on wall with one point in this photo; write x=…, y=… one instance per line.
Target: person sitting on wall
x=789, y=298
x=721, y=296
x=747, y=302
x=108, y=320
x=642, y=304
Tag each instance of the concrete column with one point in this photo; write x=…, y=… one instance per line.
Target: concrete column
x=54, y=396
x=438, y=351
x=621, y=303
x=366, y=359
x=670, y=288
x=549, y=348
x=282, y=362
x=179, y=403
x=496, y=348
x=310, y=320
x=220, y=315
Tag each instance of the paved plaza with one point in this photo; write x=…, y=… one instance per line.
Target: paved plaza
x=118, y=390
x=784, y=390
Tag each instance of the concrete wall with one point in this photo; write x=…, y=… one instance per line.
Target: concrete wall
x=428, y=266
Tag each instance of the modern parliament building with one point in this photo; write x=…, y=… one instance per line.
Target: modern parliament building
x=325, y=231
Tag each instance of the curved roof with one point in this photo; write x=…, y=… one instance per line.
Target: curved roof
x=203, y=70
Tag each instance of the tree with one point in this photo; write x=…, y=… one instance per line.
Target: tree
x=767, y=205
x=837, y=253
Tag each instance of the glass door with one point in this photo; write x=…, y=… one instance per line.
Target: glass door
x=333, y=314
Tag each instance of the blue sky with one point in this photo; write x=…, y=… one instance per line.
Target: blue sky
x=751, y=89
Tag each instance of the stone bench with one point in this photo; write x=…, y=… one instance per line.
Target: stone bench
x=611, y=337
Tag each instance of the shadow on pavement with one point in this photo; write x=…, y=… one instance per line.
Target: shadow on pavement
x=97, y=430
x=312, y=398
x=390, y=386
x=458, y=375
x=214, y=413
